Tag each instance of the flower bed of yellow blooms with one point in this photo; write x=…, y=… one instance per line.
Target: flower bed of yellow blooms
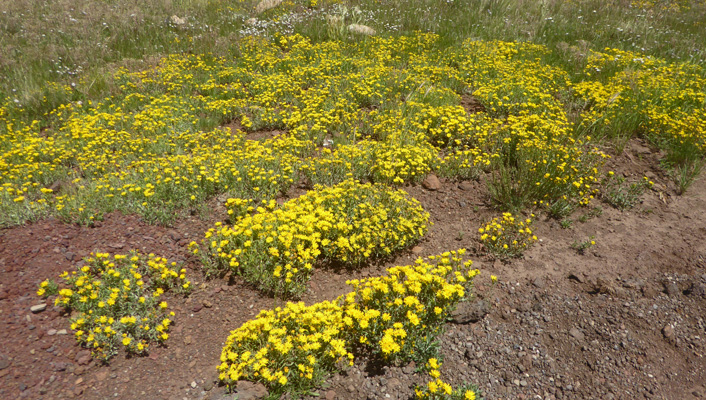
x=277, y=247
x=390, y=109
x=117, y=300
x=293, y=348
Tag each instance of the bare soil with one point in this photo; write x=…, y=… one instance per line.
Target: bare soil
x=624, y=320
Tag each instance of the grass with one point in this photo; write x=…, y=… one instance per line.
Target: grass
x=67, y=43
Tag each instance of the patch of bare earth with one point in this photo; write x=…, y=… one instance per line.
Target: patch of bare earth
x=624, y=320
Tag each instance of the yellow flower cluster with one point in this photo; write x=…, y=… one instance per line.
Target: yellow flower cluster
x=117, y=299
x=293, y=348
x=507, y=236
x=277, y=247
x=437, y=389
x=386, y=109
x=634, y=93
x=393, y=314
x=288, y=349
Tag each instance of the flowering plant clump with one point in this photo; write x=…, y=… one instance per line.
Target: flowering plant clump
x=117, y=300
x=392, y=316
x=293, y=348
x=437, y=389
x=507, y=236
x=289, y=349
x=277, y=247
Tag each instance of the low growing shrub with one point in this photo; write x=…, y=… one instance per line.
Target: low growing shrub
x=117, y=300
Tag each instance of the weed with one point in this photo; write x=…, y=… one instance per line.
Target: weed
x=621, y=195
x=582, y=246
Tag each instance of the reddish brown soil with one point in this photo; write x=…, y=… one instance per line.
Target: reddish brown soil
x=625, y=320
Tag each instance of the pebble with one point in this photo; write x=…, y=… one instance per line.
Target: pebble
x=671, y=289
x=465, y=185
x=576, y=333
x=38, y=308
x=51, y=332
x=193, y=384
x=431, y=182
x=668, y=333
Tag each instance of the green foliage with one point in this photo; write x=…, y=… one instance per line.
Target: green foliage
x=621, y=195
x=117, y=301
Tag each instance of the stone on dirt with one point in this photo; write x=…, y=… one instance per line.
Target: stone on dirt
x=431, y=182
x=250, y=391
x=38, y=308
x=470, y=312
x=576, y=333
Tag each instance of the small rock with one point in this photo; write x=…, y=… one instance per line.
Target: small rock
x=539, y=282
x=431, y=182
x=62, y=332
x=671, y=288
x=207, y=304
x=576, y=333
x=38, y=308
x=465, y=185
x=470, y=311
x=176, y=20
x=197, y=308
x=102, y=375
x=330, y=395
x=265, y=5
x=603, y=286
x=60, y=366
x=208, y=385
x=51, y=332
x=193, y=384
x=188, y=340
x=4, y=363
x=409, y=368
x=361, y=29
x=83, y=357
x=250, y=391
x=116, y=245
x=698, y=392
x=668, y=333
x=417, y=249
x=649, y=291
